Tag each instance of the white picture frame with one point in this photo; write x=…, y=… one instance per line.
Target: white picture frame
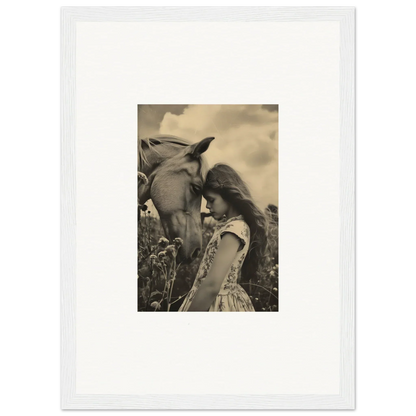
x=305, y=57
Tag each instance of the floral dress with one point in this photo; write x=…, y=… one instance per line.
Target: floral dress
x=231, y=297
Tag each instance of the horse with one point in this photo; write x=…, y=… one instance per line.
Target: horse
x=175, y=171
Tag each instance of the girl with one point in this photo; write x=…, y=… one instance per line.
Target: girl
x=236, y=247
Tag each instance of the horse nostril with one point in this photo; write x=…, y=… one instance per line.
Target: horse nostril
x=195, y=253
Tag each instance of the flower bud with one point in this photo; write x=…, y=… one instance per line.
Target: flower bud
x=162, y=255
x=171, y=251
x=178, y=242
x=141, y=177
x=163, y=242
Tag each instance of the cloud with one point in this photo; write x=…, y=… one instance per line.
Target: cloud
x=273, y=107
x=246, y=137
x=260, y=156
x=150, y=117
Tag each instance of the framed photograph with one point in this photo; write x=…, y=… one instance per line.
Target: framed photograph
x=208, y=165
x=235, y=172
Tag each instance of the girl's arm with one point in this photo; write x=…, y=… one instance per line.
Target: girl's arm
x=211, y=285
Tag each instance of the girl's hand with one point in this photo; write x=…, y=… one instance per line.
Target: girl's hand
x=211, y=285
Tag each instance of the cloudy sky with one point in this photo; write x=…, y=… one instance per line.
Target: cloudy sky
x=246, y=138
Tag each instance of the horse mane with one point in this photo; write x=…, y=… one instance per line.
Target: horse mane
x=164, y=140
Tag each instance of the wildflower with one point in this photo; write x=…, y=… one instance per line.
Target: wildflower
x=141, y=177
x=155, y=305
x=162, y=255
x=163, y=242
x=171, y=251
x=256, y=299
x=275, y=289
x=153, y=258
x=263, y=309
x=178, y=242
x=272, y=273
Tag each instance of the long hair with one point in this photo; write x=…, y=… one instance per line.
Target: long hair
x=224, y=180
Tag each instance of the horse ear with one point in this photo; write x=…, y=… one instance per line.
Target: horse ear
x=196, y=149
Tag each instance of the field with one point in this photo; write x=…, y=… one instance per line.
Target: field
x=162, y=283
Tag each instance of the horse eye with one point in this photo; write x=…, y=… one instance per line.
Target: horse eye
x=196, y=189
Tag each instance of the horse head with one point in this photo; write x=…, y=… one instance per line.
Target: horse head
x=175, y=187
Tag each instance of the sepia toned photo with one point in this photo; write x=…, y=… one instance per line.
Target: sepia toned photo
x=208, y=217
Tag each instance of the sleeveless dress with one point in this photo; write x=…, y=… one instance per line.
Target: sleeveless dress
x=231, y=297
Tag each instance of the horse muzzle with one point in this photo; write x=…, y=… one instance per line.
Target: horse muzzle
x=185, y=259
x=183, y=226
